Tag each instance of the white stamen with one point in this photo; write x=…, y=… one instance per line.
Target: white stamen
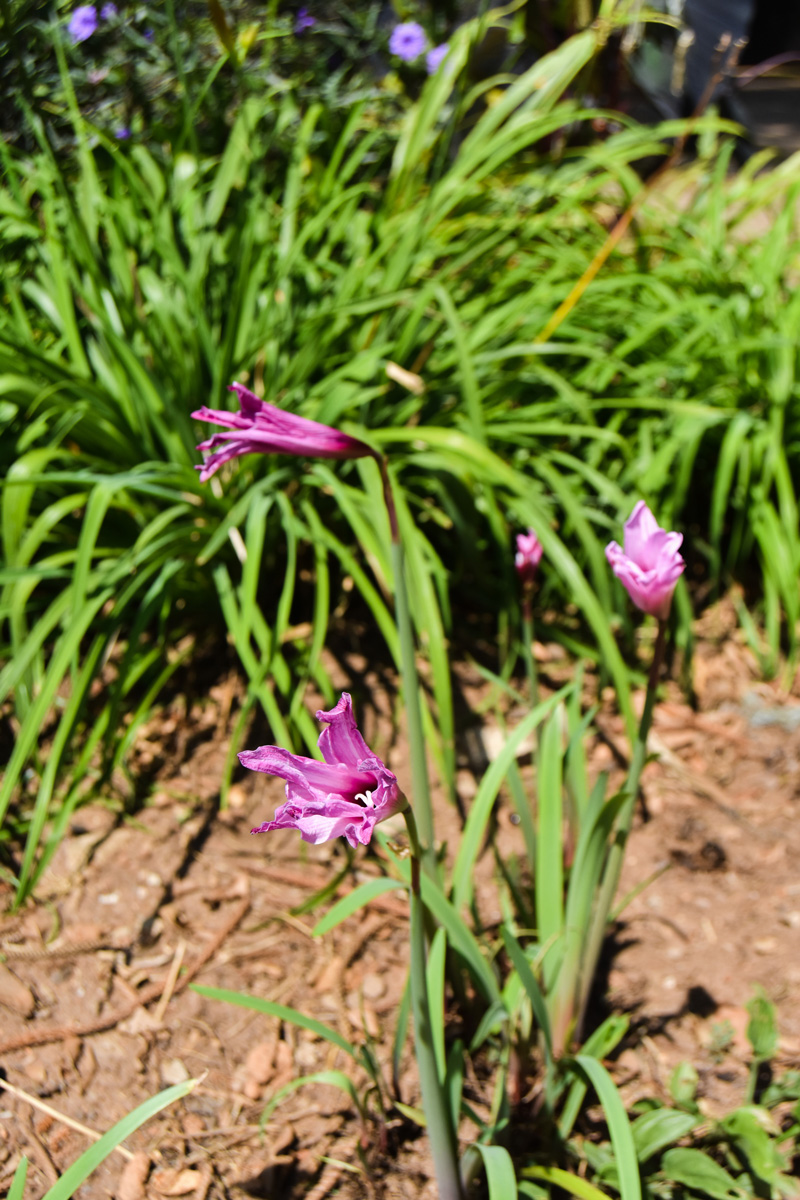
x=365, y=798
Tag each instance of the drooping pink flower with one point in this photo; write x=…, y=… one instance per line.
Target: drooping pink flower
x=528, y=556
x=347, y=795
x=262, y=428
x=408, y=41
x=649, y=566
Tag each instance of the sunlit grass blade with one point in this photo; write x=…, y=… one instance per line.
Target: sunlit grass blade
x=282, y=1011
x=91, y=1159
x=575, y=1185
x=619, y=1126
x=17, y=1189
x=435, y=968
x=358, y=898
x=549, y=877
x=336, y=1079
x=475, y=828
x=537, y=998
x=499, y=1167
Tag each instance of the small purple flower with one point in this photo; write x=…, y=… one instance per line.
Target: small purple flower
x=82, y=23
x=261, y=428
x=108, y=12
x=650, y=565
x=408, y=41
x=347, y=795
x=433, y=59
x=303, y=21
x=528, y=556
x=148, y=35
x=123, y=133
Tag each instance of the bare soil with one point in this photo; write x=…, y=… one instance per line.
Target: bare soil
x=96, y=1014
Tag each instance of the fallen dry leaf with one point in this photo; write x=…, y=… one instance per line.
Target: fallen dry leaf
x=176, y=1183
x=14, y=994
x=133, y=1178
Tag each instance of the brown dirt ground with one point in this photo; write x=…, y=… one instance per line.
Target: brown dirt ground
x=131, y=910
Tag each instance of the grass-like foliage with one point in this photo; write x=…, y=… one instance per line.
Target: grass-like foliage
x=318, y=248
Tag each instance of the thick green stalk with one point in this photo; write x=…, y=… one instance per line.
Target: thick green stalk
x=420, y=785
x=613, y=868
x=435, y=1102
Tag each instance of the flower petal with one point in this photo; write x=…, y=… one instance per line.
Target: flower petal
x=318, y=823
x=312, y=777
x=341, y=741
x=649, y=566
x=639, y=528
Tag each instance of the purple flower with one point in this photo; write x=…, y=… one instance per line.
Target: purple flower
x=108, y=12
x=408, y=41
x=303, y=20
x=148, y=35
x=82, y=23
x=433, y=59
x=123, y=133
x=650, y=565
x=528, y=556
x=344, y=796
x=261, y=428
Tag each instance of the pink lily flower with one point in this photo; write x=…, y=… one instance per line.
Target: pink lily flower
x=347, y=795
x=528, y=556
x=650, y=565
x=262, y=428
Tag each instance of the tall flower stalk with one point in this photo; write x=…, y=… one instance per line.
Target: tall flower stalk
x=526, y=562
x=649, y=566
x=420, y=783
x=442, y=1135
x=347, y=795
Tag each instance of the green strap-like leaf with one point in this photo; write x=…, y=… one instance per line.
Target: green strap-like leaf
x=694, y=1169
x=499, y=1169
x=80, y=1170
x=525, y=972
x=570, y=1183
x=278, y=1010
x=475, y=828
x=17, y=1189
x=356, y=899
x=336, y=1079
x=619, y=1127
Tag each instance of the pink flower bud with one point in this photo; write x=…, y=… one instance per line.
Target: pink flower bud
x=650, y=565
x=528, y=556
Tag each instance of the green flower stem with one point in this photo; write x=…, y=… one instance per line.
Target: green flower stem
x=420, y=786
x=527, y=645
x=613, y=868
x=435, y=1104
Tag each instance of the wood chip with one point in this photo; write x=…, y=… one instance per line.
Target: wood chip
x=260, y=1063
x=133, y=1178
x=330, y=976
x=14, y=994
x=169, y=1182
x=173, y=1071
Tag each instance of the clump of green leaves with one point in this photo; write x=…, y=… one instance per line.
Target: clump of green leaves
x=749, y=1151
x=322, y=246
x=177, y=72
